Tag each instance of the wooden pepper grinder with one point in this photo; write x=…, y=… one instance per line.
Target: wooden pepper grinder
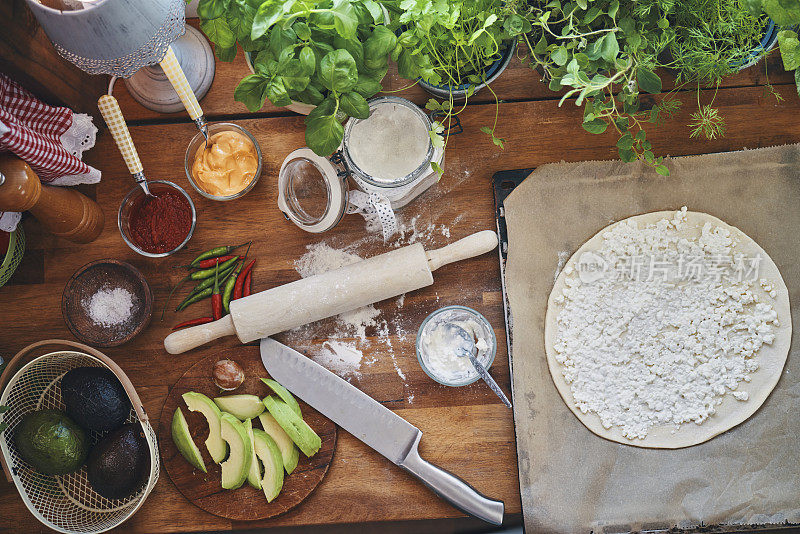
x=61, y=211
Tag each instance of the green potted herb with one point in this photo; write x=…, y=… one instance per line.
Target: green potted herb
x=603, y=53
x=786, y=15
x=331, y=54
x=709, y=40
x=455, y=47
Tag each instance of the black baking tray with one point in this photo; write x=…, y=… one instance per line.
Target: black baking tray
x=503, y=183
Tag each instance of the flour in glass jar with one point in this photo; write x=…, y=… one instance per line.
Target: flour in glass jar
x=391, y=144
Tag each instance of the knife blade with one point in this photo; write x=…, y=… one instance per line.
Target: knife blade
x=371, y=422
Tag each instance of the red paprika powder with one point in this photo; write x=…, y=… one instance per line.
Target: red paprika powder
x=160, y=223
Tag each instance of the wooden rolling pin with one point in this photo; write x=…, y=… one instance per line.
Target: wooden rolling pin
x=325, y=295
x=61, y=211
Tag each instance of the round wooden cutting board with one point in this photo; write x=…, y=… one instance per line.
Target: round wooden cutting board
x=204, y=490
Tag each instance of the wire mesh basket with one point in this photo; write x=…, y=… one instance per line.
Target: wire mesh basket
x=66, y=503
x=16, y=248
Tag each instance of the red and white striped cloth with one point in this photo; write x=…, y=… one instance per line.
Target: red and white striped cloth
x=51, y=140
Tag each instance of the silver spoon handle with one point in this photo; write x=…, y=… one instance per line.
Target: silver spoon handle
x=489, y=380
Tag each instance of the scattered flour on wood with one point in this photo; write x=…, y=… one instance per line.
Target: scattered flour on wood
x=343, y=348
x=342, y=358
x=322, y=258
x=414, y=231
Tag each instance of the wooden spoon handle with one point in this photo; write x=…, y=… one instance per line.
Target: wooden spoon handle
x=109, y=109
x=178, y=80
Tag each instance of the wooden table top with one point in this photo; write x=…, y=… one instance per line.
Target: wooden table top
x=466, y=430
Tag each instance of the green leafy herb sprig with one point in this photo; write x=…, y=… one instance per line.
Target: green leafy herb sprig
x=452, y=43
x=786, y=14
x=331, y=54
x=604, y=53
x=711, y=39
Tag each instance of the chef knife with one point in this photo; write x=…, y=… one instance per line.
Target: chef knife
x=368, y=420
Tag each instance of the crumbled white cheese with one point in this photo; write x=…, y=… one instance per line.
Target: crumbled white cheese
x=640, y=349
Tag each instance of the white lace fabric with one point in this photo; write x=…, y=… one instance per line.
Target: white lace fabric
x=80, y=136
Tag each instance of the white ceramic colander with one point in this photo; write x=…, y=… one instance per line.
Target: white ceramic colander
x=66, y=503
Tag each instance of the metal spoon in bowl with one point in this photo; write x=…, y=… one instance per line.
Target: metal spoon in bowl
x=469, y=350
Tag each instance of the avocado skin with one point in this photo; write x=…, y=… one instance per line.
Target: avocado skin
x=51, y=442
x=95, y=398
x=118, y=464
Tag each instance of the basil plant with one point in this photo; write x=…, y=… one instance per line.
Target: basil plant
x=331, y=54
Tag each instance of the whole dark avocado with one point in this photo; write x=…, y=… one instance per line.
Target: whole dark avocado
x=95, y=398
x=51, y=442
x=118, y=464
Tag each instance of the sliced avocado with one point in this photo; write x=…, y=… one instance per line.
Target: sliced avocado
x=303, y=435
x=51, y=442
x=267, y=450
x=254, y=473
x=284, y=395
x=120, y=462
x=236, y=467
x=184, y=442
x=197, y=402
x=289, y=451
x=240, y=406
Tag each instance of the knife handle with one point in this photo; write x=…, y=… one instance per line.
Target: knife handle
x=451, y=488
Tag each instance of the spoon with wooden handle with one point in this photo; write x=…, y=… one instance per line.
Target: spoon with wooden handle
x=175, y=75
x=109, y=109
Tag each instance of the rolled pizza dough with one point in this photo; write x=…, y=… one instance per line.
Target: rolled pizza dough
x=730, y=412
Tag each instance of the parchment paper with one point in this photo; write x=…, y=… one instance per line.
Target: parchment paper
x=574, y=481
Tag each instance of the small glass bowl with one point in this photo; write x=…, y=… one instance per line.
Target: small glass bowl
x=137, y=192
x=449, y=313
x=200, y=139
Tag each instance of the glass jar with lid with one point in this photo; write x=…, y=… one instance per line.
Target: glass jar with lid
x=384, y=162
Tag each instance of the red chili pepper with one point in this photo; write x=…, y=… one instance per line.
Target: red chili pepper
x=211, y=262
x=193, y=322
x=216, y=298
x=246, y=290
x=237, y=289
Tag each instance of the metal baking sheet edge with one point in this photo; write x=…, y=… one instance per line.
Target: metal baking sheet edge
x=503, y=184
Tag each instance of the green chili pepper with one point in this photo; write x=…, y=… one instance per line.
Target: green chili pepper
x=215, y=252
x=229, y=285
x=209, y=273
x=209, y=282
x=201, y=293
x=195, y=297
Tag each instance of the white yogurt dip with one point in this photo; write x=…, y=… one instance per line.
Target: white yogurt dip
x=438, y=346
